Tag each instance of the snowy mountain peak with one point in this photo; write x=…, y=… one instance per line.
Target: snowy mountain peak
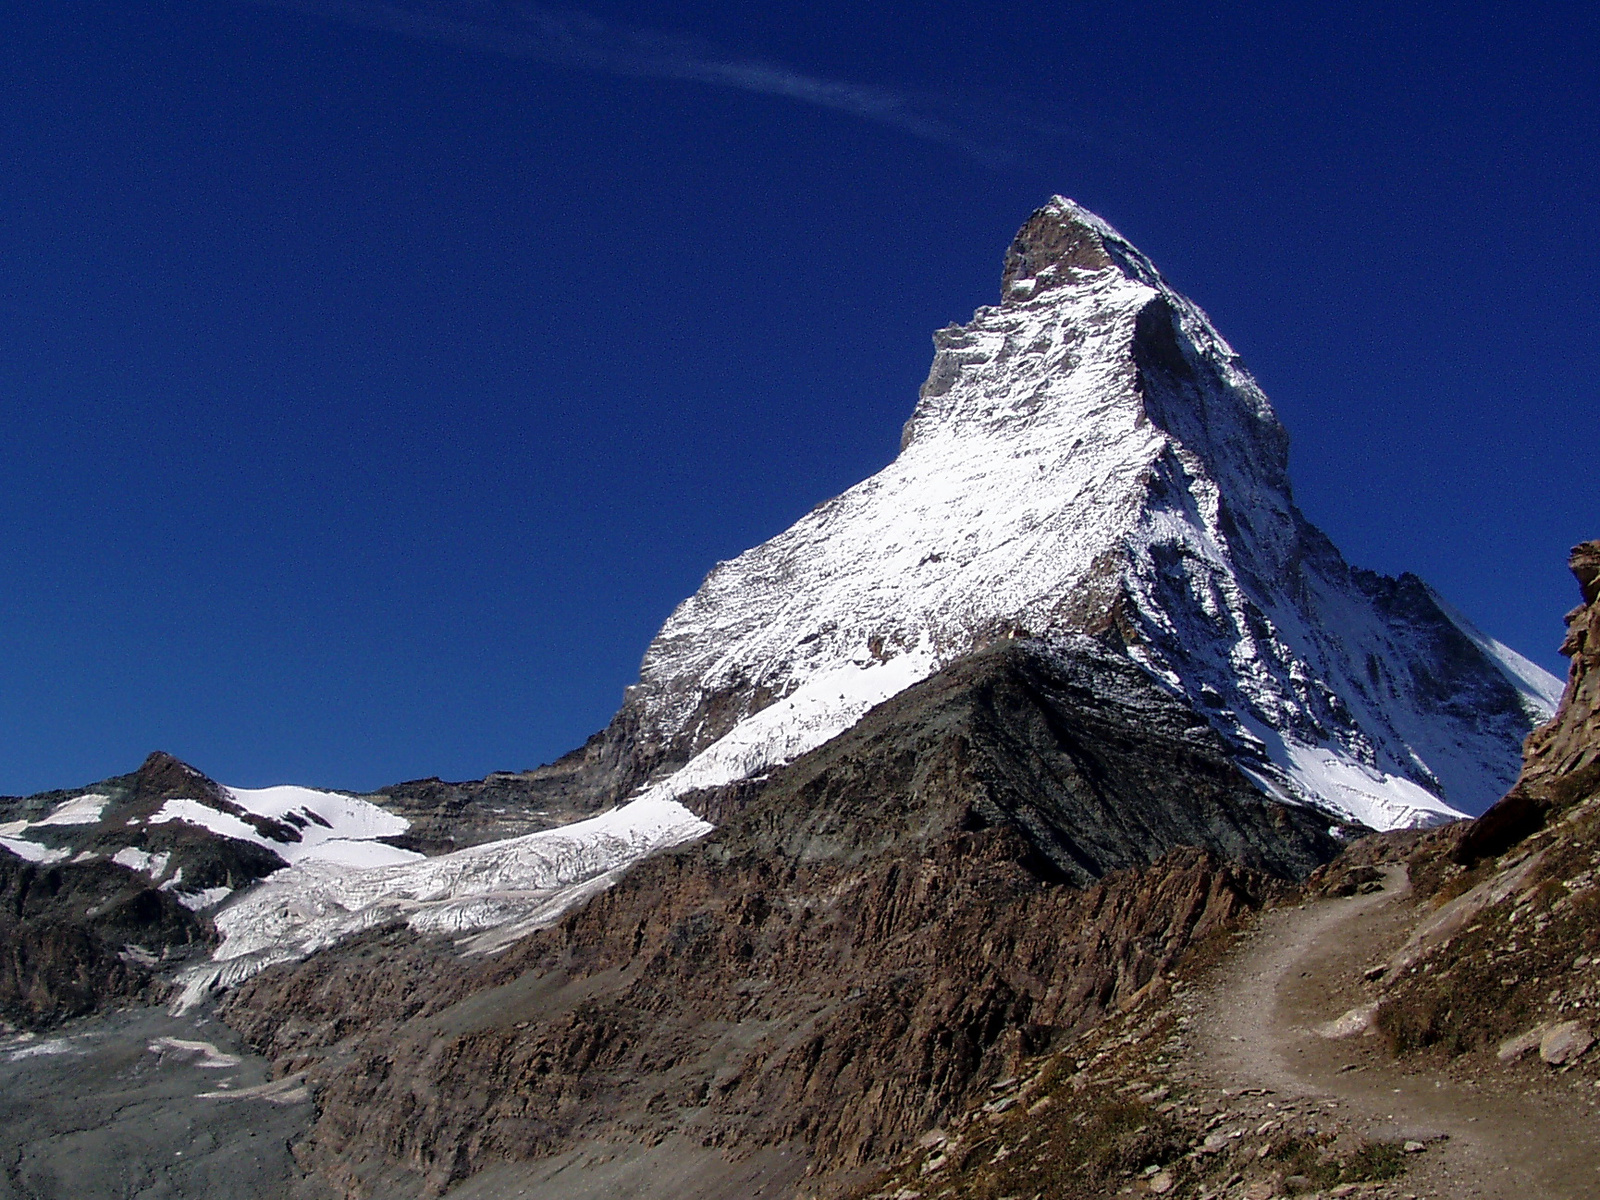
x=1091, y=456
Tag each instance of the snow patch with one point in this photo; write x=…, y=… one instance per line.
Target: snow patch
x=358, y=854
x=203, y=899
x=819, y=710
x=153, y=865
x=33, y=851
x=330, y=826
x=43, y=1049
x=81, y=810
x=207, y=1056
x=1375, y=798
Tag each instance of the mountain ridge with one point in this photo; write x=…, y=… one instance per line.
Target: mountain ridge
x=1090, y=456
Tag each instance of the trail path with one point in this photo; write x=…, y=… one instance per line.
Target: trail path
x=1256, y=1029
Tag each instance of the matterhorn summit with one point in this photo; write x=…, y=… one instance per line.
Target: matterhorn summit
x=1091, y=458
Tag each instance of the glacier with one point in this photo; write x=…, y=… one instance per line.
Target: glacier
x=487, y=895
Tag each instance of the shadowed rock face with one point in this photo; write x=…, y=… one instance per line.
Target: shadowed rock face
x=871, y=938
x=1561, y=760
x=1069, y=744
x=448, y=816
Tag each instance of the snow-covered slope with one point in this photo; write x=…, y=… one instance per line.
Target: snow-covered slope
x=328, y=826
x=1091, y=455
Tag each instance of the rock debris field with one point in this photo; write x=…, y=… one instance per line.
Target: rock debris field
x=142, y=1104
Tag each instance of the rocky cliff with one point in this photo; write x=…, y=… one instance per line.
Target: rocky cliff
x=1561, y=760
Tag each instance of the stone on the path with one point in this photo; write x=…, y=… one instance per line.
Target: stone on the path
x=1162, y=1182
x=1356, y=1020
x=1565, y=1043
x=1514, y=1048
x=1413, y=1147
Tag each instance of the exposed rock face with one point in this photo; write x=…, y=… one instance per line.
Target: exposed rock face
x=448, y=816
x=58, y=962
x=1089, y=456
x=1562, y=758
x=870, y=938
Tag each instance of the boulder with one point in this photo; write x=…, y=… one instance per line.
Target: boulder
x=1514, y=1048
x=1565, y=1043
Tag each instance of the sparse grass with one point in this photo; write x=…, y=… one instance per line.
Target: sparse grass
x=1315, y=1162
x=1375, y=1160
x=1076, y=1150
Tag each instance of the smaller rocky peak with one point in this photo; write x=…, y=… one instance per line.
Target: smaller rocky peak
x=162, y=777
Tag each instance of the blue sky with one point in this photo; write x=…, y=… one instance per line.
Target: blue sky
x=375, y=377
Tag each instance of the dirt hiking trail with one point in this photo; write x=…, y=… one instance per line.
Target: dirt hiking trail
x=1301, y=969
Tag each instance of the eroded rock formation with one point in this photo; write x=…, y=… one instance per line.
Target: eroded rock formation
x=1561, y=759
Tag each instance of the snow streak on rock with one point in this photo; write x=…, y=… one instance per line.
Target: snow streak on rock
x=1091, y=455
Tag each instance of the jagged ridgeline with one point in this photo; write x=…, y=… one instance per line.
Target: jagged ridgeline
x=931, y=780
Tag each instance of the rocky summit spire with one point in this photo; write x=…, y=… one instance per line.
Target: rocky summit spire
x=1090, y=457
x=1060, y=243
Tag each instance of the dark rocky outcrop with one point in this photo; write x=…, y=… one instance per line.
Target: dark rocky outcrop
x=986, y=862
x=74, y=938
x=448, y=816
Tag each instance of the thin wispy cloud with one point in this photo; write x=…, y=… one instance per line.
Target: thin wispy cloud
x=571, y=39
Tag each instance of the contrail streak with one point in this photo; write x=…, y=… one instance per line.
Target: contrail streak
x=572, y=39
